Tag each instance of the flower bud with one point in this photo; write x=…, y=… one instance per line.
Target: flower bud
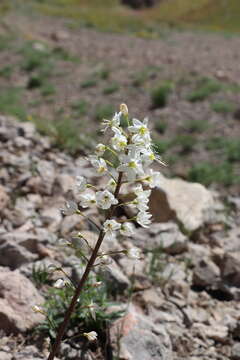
x=124, y=109
x=91, y=336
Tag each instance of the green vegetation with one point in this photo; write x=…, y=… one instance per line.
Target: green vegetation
x=230, y=148
x=91, y=82
x=48, y=89
x=161, y=146
x=223, y=107
x=110, y=89
x=11, y=103
x=159, y=95
x=104, y=112
x=6, y=71
x=207, y=173
x=90, y=313
x=205, y=87
x=111, y=16
x=161, y=126
x=64, y=134
x=186, y=143
x=80, y=107
x=196, y=126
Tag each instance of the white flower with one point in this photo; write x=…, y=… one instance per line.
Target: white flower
x=92, y=309
x=127, y=229
x=80, y=183
x=105, y=199
x=99, y=164
x=142, y=198
x=152, y=179
x=60, y=283
x=148, y=156
x=131, y=165
x=87, y=200
x=140, y=130
x=111, y=185
x=134, y=253
x=143, y=218
x=115, y=122
x=37, y=309
x=119, y=141
x=70, y=208
x=105, y=260
x=109, y=227
x=100, y=149
x=91, y=336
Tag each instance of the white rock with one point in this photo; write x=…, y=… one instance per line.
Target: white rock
x=191, y=203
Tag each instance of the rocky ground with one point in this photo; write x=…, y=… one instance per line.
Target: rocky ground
x=184, y=302
x=66, y=78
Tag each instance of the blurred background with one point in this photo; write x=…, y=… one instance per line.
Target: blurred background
x=66, y=64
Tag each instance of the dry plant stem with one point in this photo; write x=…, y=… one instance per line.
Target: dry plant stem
x=79, y=288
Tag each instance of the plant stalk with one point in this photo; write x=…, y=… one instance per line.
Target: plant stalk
x=81, y=283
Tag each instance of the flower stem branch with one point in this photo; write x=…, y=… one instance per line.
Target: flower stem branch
x=81, y=283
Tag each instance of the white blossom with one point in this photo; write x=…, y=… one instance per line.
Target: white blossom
x=37, y=309
x=152, y=179
x=143, y=218
x=140, y=130
x=60, y=283
x=70, y=208
x=105, y=260
x=99, y=164
x=87, y=200
x=114, y=122
x=111, y=185
x=91, y=336
x=109, y=227
x=134, y=253
x=119, y=141
x=92, y=309
x=127, y=229
x=131, y=165
x=100, y=149
x=81, y=183
x=105, y=199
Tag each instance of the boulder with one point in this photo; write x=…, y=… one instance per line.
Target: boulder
x=139, y=338
x=166, y=236
x=17, y=296
x=191, y=204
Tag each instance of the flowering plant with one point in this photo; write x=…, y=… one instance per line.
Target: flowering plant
x=131, y=147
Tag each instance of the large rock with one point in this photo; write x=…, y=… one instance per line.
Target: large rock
x=140, y=339
x=189, y=203
x=17, y=296
x=166, y=236
x=14, y=255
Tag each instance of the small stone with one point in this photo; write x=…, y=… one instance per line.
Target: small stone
x=236, y=351
x=4, y=198
x=206, y=273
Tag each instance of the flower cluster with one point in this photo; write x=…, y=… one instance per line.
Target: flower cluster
x=131, y=146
